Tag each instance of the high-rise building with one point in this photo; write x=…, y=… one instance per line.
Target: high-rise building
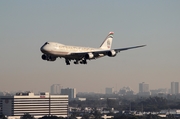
x=109, y=90
x=56, y=89
x=71, y=92
x=37, y=105
x=144, y=89
x=174, y=87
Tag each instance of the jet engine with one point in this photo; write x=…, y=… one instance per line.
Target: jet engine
x=89, y=56
x=44, y=57
x=48, y=58
x=112, y=53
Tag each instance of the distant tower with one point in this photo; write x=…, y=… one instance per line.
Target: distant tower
x=109, y=90
x=174, y=88
x=143, y=87
x=56, y=89
x=71, y=92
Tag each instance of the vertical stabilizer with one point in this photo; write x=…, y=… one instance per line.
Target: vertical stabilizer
x=107, y=42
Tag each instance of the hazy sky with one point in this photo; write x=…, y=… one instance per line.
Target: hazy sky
x=26, y=25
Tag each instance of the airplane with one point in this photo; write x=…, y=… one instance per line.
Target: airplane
x=52, y=50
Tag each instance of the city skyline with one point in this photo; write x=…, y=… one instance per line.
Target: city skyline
x=142, y=88
x=27, y=25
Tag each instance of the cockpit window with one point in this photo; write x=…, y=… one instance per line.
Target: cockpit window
x=46, y=43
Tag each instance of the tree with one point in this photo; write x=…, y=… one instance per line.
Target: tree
x=86, y=116
x=27, y=116
x=51, y=117
x=3, y=116
x=97, y=114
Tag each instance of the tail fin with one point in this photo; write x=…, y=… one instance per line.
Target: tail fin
x=107, y=42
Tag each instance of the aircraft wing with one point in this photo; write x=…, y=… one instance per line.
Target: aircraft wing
x=103, y=52
x=121, y=49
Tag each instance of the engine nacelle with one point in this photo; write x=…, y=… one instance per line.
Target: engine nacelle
x=48, y=58
x=112, y=53
x=89, y=56
x=44, y=57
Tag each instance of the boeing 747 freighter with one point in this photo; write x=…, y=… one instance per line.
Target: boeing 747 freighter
x=52, y=50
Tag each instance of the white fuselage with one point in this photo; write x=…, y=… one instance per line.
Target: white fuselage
x=60, y=50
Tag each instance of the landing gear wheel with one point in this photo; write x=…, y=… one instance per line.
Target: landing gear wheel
x=84, y=62
x=76, y=62
x=67, y=62
x=44, y=57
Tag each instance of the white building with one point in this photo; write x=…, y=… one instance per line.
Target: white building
x=36, y=105
x=71, y=92
x=170, y=111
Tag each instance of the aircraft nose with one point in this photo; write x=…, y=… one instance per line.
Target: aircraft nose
x=44, y=49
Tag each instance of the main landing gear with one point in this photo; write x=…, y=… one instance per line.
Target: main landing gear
x=83, y=61
x=67, y=62
x=76, y=61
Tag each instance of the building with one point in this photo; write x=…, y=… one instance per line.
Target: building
x=109, y=90
x=71, y=92
x=36, y=105
x=174, y=88
x=144, y=89
x=55, y=89
x=170, y=111
x=158, y=92
x=125, y=91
